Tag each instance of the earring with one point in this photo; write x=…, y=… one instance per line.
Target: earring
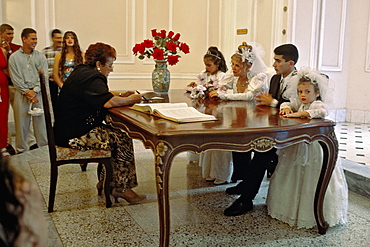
x=99, y=69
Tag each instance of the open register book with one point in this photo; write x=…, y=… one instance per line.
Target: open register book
x=177, y=112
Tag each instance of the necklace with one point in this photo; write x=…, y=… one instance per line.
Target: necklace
x=243, y=84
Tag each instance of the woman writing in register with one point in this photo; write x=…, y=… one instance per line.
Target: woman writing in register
x=81, y=108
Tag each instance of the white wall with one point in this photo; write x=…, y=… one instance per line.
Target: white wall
x=203, y=23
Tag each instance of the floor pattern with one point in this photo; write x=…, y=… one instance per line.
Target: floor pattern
x=354, y=142
x=81, y=219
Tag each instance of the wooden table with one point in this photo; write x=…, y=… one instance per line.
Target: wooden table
x=241, y=126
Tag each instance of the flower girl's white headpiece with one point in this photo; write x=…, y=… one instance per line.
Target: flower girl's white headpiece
x=318, y=79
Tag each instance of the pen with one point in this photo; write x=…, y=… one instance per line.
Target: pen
x=142, y=96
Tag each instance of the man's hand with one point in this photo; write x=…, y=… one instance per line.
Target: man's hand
x=5, y=45
x=31, y=95
x=264, y=99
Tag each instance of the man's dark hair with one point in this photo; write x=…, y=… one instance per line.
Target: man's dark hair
x=27, y=31
x=289, y=52
x=5, y=27
x=54, y=31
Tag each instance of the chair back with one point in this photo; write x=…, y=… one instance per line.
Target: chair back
x=48, y=121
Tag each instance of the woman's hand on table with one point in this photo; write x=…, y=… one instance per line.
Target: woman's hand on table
x=213, y=94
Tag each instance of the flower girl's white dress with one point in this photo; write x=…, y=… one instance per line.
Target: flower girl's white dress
x=292, y=186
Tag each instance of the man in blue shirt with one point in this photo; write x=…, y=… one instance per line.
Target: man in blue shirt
x=24, y=65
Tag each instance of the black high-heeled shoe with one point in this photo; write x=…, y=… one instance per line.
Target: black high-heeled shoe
x=134, y=198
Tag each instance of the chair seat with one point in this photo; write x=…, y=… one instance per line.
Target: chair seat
x=71, y=153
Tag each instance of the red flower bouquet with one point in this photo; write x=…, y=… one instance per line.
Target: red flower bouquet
x=163, y=46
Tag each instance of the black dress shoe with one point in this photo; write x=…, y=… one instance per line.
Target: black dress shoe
x=10, y=149
x=239, y=207
x=236, y=190
x=34, y=146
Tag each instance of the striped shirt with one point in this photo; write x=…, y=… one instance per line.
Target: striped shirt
x=50, y=54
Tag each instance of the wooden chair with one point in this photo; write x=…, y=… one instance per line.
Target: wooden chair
x=61, y=155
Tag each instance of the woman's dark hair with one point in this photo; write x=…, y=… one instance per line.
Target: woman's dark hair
x=216, y=57
x=76, y=49
x=10, y=208
x=99, y=52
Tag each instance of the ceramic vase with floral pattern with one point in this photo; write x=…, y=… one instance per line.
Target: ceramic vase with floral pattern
x=161, y=77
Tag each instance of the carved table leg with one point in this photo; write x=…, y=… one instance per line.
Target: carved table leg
x=163, y=161
x=330, y=151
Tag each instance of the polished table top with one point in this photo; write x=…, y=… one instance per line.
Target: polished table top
x=235, y=118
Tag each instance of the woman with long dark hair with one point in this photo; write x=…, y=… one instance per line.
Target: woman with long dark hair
x=68, y=59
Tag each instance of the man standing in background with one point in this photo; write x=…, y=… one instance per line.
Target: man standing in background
x=50, y=51
x=24, y=65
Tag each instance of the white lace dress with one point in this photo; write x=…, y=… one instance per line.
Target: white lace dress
x=258, y=83
x=218, y=163
x=292, y=186
x=204, y=79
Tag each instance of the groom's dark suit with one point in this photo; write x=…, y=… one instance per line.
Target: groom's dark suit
x=253, y=171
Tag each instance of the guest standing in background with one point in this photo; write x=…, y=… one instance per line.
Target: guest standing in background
x=7, y=35
x=4, y=104
x=68, y=59
x=50, y=52
x=24, y=66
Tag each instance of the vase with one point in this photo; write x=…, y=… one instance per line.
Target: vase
x=161, y=77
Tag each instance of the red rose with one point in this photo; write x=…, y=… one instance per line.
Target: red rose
x=172, y=60
x=185, y=48
x=163, y=34
x=148, y=43
x=171, y=46
x=158, y=54
x=154, y=32
x=135, y=49
x=170, y=34
x=177, y=36
x=138, y=48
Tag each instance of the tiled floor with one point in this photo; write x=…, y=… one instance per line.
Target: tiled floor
x=354, y=142
x=80, y=218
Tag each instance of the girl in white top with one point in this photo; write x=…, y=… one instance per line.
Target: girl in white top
x=209, y=78
x=243, y=82
x=293, y=184
x=212, y=162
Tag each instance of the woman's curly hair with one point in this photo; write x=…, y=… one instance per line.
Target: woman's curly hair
x=78, y=59
x=99, y=52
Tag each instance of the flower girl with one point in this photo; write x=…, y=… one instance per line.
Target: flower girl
x=216, y=165
x=292, y=186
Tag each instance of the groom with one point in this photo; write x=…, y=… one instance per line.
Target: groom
x=253, y=171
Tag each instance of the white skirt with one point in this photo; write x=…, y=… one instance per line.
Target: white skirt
x=292, y=188
x=216, y=164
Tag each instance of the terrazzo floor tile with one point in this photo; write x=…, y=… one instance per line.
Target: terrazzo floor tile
x=81, y=219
